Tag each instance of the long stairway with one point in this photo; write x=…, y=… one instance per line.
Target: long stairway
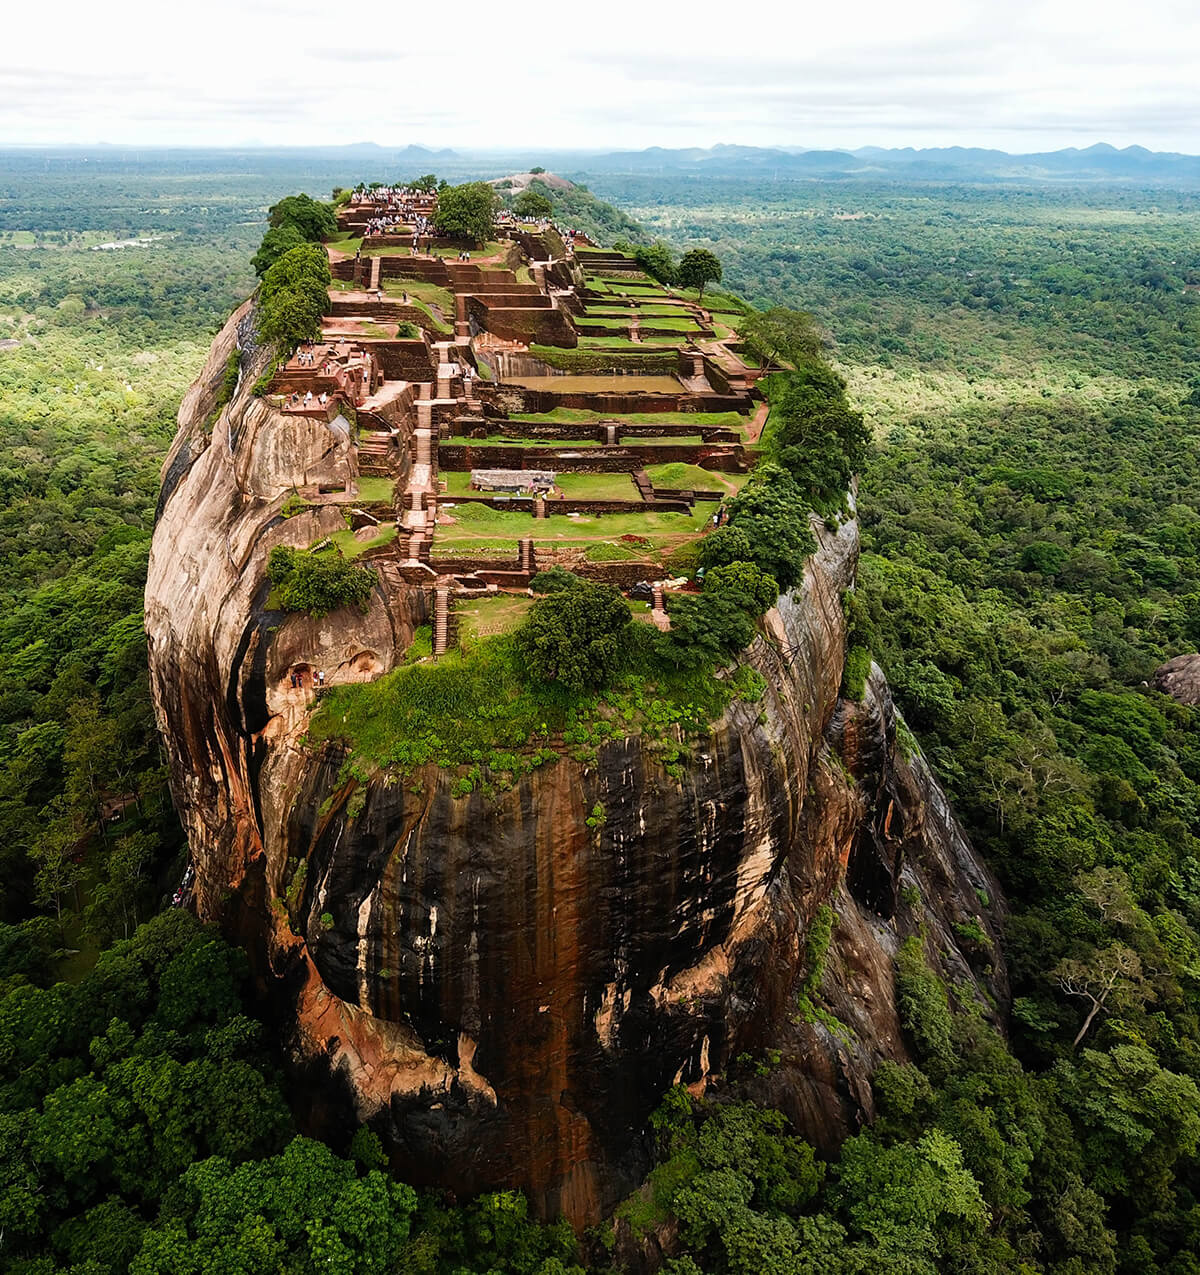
x=441, y=621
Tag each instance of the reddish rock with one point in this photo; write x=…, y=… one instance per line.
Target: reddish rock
x=502, y=990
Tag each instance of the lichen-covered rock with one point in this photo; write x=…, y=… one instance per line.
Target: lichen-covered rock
x=1180, y=678
x=501, y=987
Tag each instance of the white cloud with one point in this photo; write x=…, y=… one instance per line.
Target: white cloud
x=1026, y=74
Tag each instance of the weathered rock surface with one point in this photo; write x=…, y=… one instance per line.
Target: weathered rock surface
x=503, y=990
x=1180, y=678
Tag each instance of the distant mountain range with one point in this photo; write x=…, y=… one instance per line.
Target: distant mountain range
x=1095, y=163
x=370, y=161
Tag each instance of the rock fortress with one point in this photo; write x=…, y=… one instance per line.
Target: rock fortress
x=498, y=932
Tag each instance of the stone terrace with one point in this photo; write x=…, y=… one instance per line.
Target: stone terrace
x=626, y=404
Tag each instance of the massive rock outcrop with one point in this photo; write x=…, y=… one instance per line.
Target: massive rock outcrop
x=502, y=987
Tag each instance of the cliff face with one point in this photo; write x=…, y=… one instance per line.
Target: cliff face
x=503, y=989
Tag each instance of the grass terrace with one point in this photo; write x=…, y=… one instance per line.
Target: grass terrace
x=348, y=544
x=487, y=616
x=479, y=531
x=376, y=490
x=677, y=476
x=475, y=710
x=583, y=416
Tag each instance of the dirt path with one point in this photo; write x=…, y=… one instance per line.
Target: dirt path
x=754, y=427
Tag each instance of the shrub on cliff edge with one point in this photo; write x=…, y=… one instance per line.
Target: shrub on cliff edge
x=317, y=584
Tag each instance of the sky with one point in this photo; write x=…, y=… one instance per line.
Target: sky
x=1020, y=75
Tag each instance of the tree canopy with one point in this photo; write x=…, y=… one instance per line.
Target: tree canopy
x=697, y=268
x=467, y=211
x=574, y=635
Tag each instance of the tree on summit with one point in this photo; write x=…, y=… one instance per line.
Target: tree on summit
x=698, y=267
x=467, y=211
x=313, y=219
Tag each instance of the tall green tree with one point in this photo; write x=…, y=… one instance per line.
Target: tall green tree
x=467, y=212
x=697, y=268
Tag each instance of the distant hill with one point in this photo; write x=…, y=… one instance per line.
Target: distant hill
x=370, y=161
x=1095, y=163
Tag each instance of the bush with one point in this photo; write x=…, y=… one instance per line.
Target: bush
x=309, y=217
x=575, y=635
x=317, y=584
x=655, y=259
x=744, y=584
x=855, y=673
x=705, y=630
x=768, y=526
x=815, y=434
x=275, y=243
x=554, y=580
x=530, y=203
x=924, y=1007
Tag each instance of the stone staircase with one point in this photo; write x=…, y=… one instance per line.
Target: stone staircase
x=445, y=622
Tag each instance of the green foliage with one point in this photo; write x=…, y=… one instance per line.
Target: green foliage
x=554, y=580
x=276, y=242
x=574, y=635
x=814, y=433
x=698, y=267
x=655, y=259
x=597, y=361
x=467, y=212
x=318, y=583
x=780, y=335
x=768, y=526
x=309, y=217
x=294, y=295
x=855, y=672
x=923, y=1005
x=532, y=203
x=744, y=584
x=720, y=622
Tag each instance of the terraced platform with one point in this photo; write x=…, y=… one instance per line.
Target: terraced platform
x=555, y=406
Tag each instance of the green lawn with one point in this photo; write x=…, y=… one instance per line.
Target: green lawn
x=648, y=346
x=678, y=476
x=665, y=440
x=486, y=616
x=598, y=486
x=583, y=416
x=491, y=249
x=481, y=530
x=351, y=547
x=688, y=324
x=420, y=290
x=515, y=440
x=374, y=490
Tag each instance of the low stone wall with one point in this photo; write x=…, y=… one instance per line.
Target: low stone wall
x=407, y=359
x=467, y=566
x=507, y=399
x=624, y=575
x=674, y=502
x=468, y=456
